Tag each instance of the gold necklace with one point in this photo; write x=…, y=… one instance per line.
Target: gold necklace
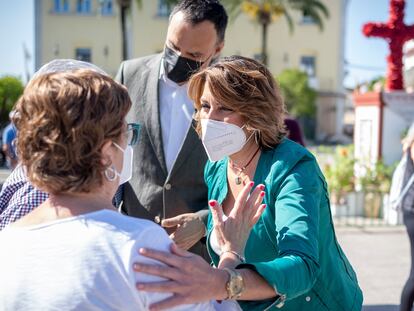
x=240, y=170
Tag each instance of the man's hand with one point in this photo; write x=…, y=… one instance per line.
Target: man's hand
x=190, y=229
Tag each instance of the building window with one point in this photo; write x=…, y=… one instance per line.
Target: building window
x=83, y=54
x=61, y=6
x=307, y=65
x=164, y=8
x=83, y=6
x=307, y=18
x=106, y=7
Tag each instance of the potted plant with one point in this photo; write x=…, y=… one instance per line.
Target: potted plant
x=375, y=182
x=340, y=174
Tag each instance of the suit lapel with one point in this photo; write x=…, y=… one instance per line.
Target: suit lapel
x=190, y=141
x=152, y=119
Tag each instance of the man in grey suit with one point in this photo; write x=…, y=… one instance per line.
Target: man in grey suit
x=168, y=184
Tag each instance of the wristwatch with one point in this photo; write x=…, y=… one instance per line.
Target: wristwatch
x=235, y=284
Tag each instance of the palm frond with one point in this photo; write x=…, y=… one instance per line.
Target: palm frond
x=289, y=21
x=233, y=7
x=313, y=8
x=316, y=17
x=320, y=6
x=139, y=4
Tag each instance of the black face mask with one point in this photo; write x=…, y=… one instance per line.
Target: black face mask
x=179, y=69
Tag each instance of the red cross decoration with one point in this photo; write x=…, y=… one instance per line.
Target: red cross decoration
x=396, y=33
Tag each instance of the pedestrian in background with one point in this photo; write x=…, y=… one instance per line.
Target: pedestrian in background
x=403, y=191
x=9, y=136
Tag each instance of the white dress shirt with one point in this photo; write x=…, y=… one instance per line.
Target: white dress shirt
x=176, y=112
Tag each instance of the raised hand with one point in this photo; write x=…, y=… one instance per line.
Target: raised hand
x=232, y=233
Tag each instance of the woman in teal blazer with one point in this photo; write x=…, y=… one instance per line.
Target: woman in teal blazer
x=277, y=245
x=293, y=245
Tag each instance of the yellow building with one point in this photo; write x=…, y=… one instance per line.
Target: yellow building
x=83, y=29
x=88, y=29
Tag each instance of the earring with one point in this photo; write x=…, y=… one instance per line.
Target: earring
x=108, y=172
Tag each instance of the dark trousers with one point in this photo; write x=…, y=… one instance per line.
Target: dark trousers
x=407, y=295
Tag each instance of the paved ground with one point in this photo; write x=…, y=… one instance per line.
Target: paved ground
x=380, y=257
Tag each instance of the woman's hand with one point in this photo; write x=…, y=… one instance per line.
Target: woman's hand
x=232, y=234
x=189, y=278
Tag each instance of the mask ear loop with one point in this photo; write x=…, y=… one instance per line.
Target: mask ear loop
x=255, y=133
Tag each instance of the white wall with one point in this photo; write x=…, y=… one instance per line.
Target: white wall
x=398, y=115
x=366, y=133
x=393, y=125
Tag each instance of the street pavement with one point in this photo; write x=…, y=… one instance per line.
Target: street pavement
x=380, y=256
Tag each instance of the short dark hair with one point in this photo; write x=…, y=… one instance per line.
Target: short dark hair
x=197, y=11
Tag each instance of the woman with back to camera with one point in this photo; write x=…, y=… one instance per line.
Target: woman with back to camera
x=75, y=251
x=290, y=258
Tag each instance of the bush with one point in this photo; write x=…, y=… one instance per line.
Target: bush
x=339, y=173
x=376, y=178
x=10, y=90
x=300, y=99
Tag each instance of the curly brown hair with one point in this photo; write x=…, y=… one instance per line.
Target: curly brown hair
x=248, y=88
x=63, y=120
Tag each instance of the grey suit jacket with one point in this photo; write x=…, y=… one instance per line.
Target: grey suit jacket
x=152, y=193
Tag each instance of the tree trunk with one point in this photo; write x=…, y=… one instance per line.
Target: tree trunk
x=264, y=43
x=124, y=11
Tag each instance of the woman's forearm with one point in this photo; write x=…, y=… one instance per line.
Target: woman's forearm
x=256, y=287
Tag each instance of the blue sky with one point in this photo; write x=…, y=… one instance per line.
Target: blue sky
x=16, y=29
x=366, y=57
x=367, y=53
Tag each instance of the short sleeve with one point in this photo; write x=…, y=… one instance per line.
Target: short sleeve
x=156, y=238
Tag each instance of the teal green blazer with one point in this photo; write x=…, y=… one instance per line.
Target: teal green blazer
x=293, y=246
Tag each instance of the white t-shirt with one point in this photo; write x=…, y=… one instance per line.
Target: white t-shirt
x=81, y=263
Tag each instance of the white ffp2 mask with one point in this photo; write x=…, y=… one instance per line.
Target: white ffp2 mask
x=221, y=139
x=126, y=173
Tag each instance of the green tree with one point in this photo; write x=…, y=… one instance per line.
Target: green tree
x=300, y=99
x=125, y=12
x=10, y=90
x=380, y=80
x=264, y=12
